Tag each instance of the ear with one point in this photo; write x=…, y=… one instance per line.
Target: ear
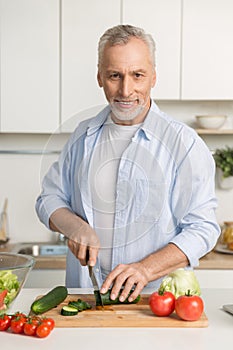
x=99, y=79
x=153, y=79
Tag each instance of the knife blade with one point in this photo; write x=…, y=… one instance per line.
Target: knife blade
x=94, y=280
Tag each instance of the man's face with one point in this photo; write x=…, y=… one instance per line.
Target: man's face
x=127, y=76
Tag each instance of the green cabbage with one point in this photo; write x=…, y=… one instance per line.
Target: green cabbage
x=180, y=282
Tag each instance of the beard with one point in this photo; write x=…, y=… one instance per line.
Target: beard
x=124, y=114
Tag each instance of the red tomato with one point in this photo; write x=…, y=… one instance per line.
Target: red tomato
x=162, y=303
x=49, y=322
x=43, y=330
x=17, y=324
x=5, y=322
x=189, y=307
x=19, y=314
x=29, y=328
x=2, y=297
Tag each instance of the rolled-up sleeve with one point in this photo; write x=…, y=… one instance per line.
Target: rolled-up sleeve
x=194, y=203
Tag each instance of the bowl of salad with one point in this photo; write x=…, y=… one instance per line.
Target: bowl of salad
x=14, y=271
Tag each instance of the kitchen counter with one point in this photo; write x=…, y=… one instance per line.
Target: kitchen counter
x=212, y=260
x=218, y=334
x=215, y=260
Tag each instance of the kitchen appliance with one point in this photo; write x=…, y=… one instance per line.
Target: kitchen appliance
x=228, y=308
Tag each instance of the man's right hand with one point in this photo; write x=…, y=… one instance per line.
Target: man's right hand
x=80, y=251
x=80, y=234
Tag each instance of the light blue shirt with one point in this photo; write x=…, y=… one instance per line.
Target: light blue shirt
x=165, y=192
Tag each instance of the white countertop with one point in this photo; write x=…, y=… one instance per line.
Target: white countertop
x=218, y=334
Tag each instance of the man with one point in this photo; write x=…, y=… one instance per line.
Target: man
x=132, y=185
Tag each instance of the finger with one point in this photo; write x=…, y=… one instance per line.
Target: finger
x=117, y=279
x=128, y=286
x=138, y=289
x=93, y=253
x=82, y=252
x=73, y=247
x=111, y=278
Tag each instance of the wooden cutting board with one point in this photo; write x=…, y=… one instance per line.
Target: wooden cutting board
x=123, y=315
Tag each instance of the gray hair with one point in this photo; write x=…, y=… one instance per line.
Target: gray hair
x=120, y=35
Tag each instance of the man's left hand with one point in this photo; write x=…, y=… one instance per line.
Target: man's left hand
x=130, y=276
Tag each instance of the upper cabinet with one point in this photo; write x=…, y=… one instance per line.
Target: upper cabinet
x=162, y=19
x=48, y=56
x=82, y=25
x=207, y=50
x=29, y=65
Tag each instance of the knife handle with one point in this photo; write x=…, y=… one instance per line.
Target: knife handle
x=87, y=255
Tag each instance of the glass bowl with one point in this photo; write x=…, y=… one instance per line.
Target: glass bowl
x=14, y=271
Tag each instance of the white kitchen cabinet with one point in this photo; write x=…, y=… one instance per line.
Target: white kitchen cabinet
x=82, y=25
x=207, y=52
x=29, y=65
x=162, y=19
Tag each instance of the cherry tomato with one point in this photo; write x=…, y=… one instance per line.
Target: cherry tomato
x=19, y=314
x=29, y=328
x=30, y=325
x=189, y=307
x=42, y=330
x=162, y=303
x=49, y=322
x=17, y=324
x=5, y=322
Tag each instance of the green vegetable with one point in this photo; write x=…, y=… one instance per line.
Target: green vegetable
x=106, y=300
x=69, y=311
x=224, y=160
x=179, y=282
x=50, y=300
x=9, y=281
x=80, y=305
x=74, y=307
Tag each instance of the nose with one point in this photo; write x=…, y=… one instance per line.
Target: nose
x=126, y=88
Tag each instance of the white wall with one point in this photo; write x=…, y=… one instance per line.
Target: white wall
x=20, y=174
x=20, y=178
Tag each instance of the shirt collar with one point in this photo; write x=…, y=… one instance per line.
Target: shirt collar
x=150, y=121
x=96, y=122
x=147, y=126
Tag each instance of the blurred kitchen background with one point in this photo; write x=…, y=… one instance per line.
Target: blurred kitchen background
x=48, y=67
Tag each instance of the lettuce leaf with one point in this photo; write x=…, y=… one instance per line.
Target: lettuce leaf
x=180, y=282
x=9, y=281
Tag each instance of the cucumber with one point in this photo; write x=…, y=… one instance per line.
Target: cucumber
x=53, y=298
x=107, y=301
x=80, y=305
x=69, y=311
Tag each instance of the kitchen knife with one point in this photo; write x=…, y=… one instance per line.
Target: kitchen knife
x=93, y=279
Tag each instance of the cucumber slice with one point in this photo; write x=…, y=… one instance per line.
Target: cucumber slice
x=80, y=305
x=69, y=311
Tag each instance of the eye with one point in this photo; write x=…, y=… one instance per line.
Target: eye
x=114, y=76
x=138, y=75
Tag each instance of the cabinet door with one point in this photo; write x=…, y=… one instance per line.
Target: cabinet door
x=162, y=19
x=29, y=65
x=207, y=57
x=82, y=25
